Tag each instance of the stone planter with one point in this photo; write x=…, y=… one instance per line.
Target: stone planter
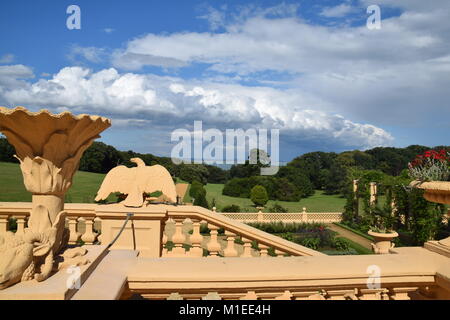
x=383, y=241
x=435, y=191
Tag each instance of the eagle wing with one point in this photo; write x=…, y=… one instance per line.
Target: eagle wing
x=157, y=178
x=119, y=179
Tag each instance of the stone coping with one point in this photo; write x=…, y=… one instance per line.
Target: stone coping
x=418, y=266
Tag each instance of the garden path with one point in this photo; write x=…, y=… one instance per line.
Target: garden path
x=351, y=235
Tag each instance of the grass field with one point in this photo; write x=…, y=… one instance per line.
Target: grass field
x=316, y=203
x=86, y=184
x=84, y=189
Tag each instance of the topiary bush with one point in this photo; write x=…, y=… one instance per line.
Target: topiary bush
x=259, y=196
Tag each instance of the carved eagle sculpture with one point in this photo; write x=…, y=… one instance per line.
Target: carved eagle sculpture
x=136, y=181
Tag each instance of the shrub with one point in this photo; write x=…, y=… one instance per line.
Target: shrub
x=258, y=195
x=231, y=208
x=340, y=244
x=310, y=242
x=278, y=208
x=430, y=166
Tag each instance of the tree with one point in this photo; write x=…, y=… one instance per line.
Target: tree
x=216, y=174
x=7, y=151
x=259, y=196
x=100, y=158
x=196, y=189
x=191, y=172
x=201, y=201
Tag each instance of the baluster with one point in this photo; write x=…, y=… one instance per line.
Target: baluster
x=287, y=295
x=230, y=250
x=3, y=223
x=247, y=253
x=264, y=250
x=196, y=240
x=89, y=235
x=213, y=245
x=99, y=229
x=212, y=296
x=279, y=253
x=178, y=239
x=20, y=220
x=251, y=295
x=164, y=242
x=74, y=234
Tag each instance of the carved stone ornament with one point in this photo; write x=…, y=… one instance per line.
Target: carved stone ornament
x=48, y=147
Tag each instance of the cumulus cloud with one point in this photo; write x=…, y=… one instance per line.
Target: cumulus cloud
x=154, y=100
x=400, y=70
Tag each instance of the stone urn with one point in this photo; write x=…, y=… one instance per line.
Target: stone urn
x=435, y=191
x=383, y=241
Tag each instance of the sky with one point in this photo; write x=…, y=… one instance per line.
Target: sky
x=311, y=69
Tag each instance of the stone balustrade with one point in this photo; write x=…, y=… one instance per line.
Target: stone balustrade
x=236, y=239
x=163, y=230
x=288, y=217
x=81, y=220
x=201, y=247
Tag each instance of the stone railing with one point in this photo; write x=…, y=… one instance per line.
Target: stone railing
x=290, y=217
x=81, y=220
x=412, y=273
x=174, y=233
x=163, y=230
x=251, y=242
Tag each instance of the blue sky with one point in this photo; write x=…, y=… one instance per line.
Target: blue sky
x=311, y=69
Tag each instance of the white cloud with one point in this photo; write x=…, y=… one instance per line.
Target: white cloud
x=166, y=101
x=12, y=76
x=354, y=71
x=108, y=30
x=338, y=11
x=91, y=54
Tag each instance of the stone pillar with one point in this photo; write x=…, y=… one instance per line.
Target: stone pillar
x=260, y=215
x=373, y=193
x=143, y=231
x=355, y=197
x=304, y=215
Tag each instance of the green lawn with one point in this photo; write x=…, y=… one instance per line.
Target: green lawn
x=316, y=203
x=84, y=189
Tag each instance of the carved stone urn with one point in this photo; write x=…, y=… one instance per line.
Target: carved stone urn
x=434, y=191
x=48, y=147
x=382, y=241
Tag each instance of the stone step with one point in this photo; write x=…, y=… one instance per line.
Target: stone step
x=109, y=279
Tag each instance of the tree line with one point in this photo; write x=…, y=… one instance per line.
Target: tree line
x=328, y=171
